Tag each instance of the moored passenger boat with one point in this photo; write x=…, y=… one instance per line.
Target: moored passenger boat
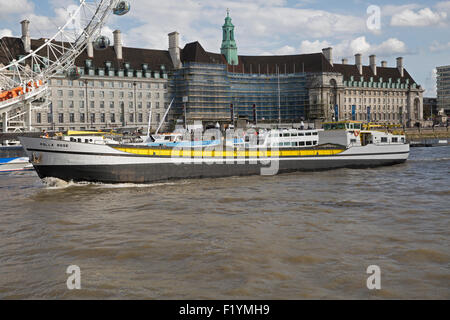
x=13, y=158
x=338, y=145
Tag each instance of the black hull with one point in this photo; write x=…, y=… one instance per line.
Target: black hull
x=148, y=173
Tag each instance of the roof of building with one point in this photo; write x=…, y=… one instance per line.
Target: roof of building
x=194, y=52
x=136, y=57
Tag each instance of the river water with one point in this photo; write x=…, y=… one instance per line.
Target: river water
x=291, y=236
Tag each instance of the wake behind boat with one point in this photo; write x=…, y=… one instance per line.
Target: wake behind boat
x=100, y=159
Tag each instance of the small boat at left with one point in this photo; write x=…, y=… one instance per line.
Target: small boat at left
x=13, y=158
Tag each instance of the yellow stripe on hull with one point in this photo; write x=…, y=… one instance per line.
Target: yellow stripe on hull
x=180, y=153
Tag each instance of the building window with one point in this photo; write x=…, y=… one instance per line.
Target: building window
x=60, y=104
x=71, y=117
x=111, y=104
x=71, y=104
x=92, y=105
x=102, y=118
x=131, y=117
x=113, y=118
x=139, y=105
x=102, y=104
x=92, y=117
x=82, y=117
x=81, y=104
x=49, y=118
x=38, y=117
x=140, y=117
x=61, y=117
x=102, y=94
x=130, y=105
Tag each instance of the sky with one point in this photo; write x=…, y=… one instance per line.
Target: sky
x=419, y=31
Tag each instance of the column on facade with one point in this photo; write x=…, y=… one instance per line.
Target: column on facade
x=5, y=122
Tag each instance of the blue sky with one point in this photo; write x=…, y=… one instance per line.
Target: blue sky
x=417, y=30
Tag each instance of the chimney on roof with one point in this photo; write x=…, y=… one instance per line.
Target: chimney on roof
x=358, y=63
x=400, y=66
x=328, y=53
x=345, y=61
x=90, y=49
x=26, y=35
x=373, y=64
x=384, y=64
x=118, y=44
x=174, y=49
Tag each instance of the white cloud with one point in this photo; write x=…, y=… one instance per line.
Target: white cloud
x=260, y=25
x=422, y=18
x=313, y=46
x=5, y=33
x=437, y=46
x=9, y=9
x=348, y=48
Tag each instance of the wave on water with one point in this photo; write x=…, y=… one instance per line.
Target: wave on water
x=58, y=184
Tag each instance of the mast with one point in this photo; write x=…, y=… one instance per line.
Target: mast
x=165, y=115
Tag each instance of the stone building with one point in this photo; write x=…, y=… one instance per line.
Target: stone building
x=119, y=85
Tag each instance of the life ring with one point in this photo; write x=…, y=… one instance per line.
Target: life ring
x=356, y=133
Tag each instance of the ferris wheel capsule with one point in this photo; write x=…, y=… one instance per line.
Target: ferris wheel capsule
x=101, y=43
x=73, y=73
x=122, y=8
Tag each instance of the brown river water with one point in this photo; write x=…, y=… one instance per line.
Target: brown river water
x=291, y=236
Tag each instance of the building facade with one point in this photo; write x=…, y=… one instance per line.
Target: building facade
x=443, y=88
x=210, y=86
x=120, y=85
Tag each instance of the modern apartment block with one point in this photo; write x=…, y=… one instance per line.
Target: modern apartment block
x=443, y=88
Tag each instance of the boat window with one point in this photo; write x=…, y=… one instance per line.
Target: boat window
x=301, y=134
x=314, y=133
x=403, y=140
x=296, y=144
x=286, y=135
x=395, y=140
x=79, y=139
x=287, y=144
x=294, y=134
x=302, y=143
x=351, y=126
x=341, y=126
x=314, y=143
x=308, y=133
x=352, y=140
x=309, y=143
x=358, y=126
x=384, y=140
x=280, y=135
x=72, y=140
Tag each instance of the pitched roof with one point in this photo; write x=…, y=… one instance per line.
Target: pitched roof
x=136, y=57
x=349, y=70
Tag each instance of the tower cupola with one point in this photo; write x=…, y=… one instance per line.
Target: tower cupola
x=229, y=47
